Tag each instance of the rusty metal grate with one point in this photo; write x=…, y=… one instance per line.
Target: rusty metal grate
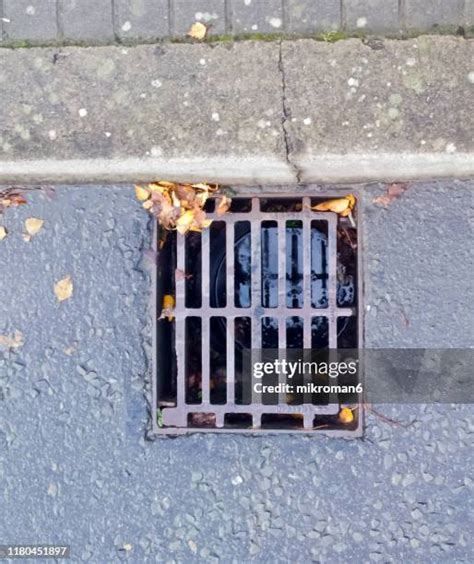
x=270, y=273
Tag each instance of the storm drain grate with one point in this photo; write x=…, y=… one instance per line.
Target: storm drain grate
x=269, y=274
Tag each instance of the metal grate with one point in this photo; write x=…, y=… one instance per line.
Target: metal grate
x=270, y=273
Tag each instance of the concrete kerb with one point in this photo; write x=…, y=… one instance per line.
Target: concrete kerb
x=302, y=111
x=329, y=169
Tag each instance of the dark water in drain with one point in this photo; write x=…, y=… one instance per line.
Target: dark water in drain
x=270, y=260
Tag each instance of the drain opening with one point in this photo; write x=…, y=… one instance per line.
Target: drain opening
x=269, y=274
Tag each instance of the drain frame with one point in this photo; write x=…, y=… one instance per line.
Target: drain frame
x=179, y=425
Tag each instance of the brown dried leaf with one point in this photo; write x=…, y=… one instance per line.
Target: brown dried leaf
x=223, y=205
x=33, y=225
x=394, y=191
x=12, y=342
x=12, y=198
x=3, y=232
x=197, y=31
x=63, y=289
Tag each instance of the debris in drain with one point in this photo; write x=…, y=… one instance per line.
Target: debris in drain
x=179, y=207
x=341, y=206
x=346, y=416
x=168, y=308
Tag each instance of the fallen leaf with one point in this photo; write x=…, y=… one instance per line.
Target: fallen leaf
x=339, y=205
x=142, y=194
x=185, y=221
x=342, y=206
x=179, y=206
x=168, y=307
x=11, y=198
x=63, y=289
x=394, y=191
x=3, y=232
x=223, y=205
x=197, y=31
x=33, y=225
x=346, y=416
x=12, y=342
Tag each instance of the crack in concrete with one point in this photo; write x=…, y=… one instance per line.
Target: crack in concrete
x=286, y=113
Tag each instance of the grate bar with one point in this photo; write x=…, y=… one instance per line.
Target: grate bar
x=332, y=280
x=258, y=311
x=281, y=264
x=230, y=301
x=180, y=322
x=256, y=286
x=206, y=360
x=172, y=414
x=282, y=346
x=205, y=254
x=270, y=216
x=230, y=363
x=307, y=255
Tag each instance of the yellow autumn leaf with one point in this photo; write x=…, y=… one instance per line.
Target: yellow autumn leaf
x=197, y=31
x=346, y=416
x=337, y=205
x=3, y=232
x=198, y=227
x=142, y=194
x=63, y=289
x=185, y=221
x=33, y=225
x=168, y=307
